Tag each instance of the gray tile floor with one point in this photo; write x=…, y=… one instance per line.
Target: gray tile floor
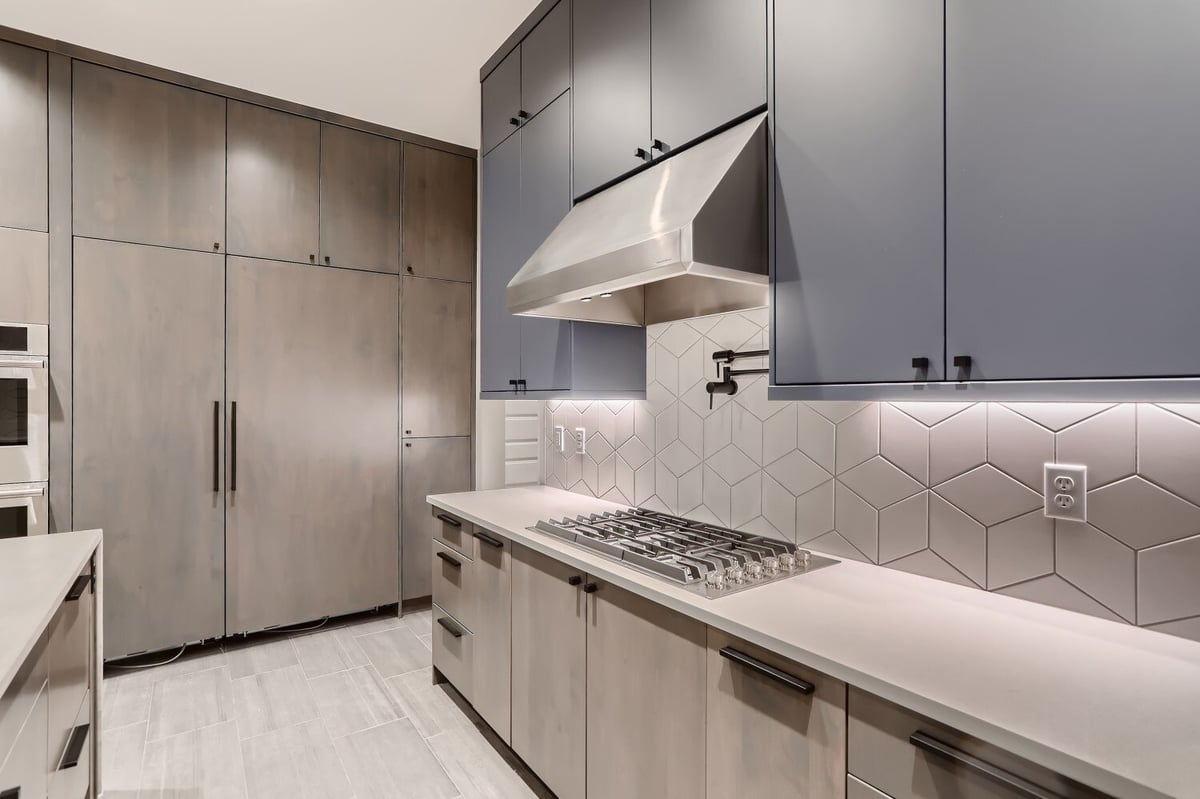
x=345, y=712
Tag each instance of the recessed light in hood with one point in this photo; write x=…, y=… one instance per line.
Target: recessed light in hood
x=685, y=238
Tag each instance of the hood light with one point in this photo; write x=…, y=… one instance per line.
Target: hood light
x=606, y=295
x=586, y=299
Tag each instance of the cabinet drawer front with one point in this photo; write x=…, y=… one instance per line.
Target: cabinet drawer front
x=70, y=645
x=886, y=751
x=857, y=789
x=760, y=716
x=452, y=583
x=25, y=275
x=25, y=768
x=21, y=696
x=71, y=755
x=453, y=651
x=454, y=532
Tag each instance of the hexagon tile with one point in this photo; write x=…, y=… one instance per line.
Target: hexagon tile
x=946, y=490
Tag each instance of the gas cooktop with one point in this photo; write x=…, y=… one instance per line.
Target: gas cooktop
x=710, y=560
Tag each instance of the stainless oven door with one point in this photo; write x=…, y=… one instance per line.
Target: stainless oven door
x=23, y=510
x=24, y=419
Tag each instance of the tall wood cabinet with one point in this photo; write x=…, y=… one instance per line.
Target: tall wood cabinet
x=439, y=212
x=24, y=82
x=360, y=200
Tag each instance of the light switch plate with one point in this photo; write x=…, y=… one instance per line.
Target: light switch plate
x=560, y=438
x=1065, y=491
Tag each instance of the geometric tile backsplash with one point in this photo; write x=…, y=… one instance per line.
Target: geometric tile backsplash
x=947, y=490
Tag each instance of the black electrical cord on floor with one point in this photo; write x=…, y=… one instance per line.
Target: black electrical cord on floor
x=132, y=667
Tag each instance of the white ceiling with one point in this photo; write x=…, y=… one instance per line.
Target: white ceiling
x=410, y=64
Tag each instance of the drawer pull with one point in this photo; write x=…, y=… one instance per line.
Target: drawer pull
x=81, y=584
x=767, y=670
x=492, y=542
x=450, y=520
x=451, y=627
x=1018, y=785
x=456, y=564
x=75, y=747
x=11, y=793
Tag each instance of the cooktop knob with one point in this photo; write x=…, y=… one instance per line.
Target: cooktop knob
x=735, y=574
x=787, y=561
x=715, y=580
x=803, y=558
x=753, y=570
x=770, y=564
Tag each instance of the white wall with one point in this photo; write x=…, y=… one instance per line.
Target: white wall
x=410, y=64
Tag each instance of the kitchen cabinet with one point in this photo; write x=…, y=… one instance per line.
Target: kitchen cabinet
x=69, y=658
x=25, y=276
x=437, y=353
x=148, y=160
x=645, y=698
x=148, y=439
x=500, y=258
x=549, y=672
x=438, y=201
x=859, y=270
x=24, y=773
x=906, y=756
x=529, y=78
x=24, y=141
x=764, y=711
x=428, y=466
x=611, y=88
x=1071, y=187
x=491, y=673
x=23, y=725
x=312, y=502
x=360, y=200
x=708, y=63
x=274, y=176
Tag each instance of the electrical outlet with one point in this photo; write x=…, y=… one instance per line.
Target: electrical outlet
x=580, y=441
x=1065, y=491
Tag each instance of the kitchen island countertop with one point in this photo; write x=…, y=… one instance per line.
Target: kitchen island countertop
x=1110, y=705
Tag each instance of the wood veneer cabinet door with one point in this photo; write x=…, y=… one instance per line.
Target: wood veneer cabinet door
x=768, y=739
x=492, y=680
x=437, y=357
x=439, y=214
x=428, y=466
x=360, y=200
x=147, y=385
x=274, y=184
x=549, y=673
x=645, y=698
x=313, y=506
x=148, y=161
x=23, y=137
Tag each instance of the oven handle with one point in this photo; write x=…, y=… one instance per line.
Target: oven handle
x=10, y=362
x=22, y=493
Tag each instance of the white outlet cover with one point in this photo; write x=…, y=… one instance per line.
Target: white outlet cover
x=580, y=441
x=1077, y=474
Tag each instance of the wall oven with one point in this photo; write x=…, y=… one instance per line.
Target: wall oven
x=23, y=510
x=24, y=404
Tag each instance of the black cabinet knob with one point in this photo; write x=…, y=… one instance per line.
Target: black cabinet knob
x=326, y=259
x=574, y=579
x=312, y=257
x=591, y=588
x=658, y=145
x=962, y=361
x=514, y=121
x=641, y=153
x=523, y=115
x=920, y=363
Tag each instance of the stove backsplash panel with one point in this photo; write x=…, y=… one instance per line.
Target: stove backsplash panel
x=947, y=490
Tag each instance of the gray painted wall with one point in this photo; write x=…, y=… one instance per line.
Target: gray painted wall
x=947, y=490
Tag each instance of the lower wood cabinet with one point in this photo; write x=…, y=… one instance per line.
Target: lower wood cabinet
x=775, y=728
x=23, y=774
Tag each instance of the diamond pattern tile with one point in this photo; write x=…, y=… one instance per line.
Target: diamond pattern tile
x=769, y=467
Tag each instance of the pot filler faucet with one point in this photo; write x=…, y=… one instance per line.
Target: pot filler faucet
x=726, y=384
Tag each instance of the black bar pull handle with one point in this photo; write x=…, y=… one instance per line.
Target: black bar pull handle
x=492, y=542
x=216, y=446
x=450, y=520
x=81, y=584
x=659, y=145
x=642, y=154
x=456, y=564
x=11, y=793
x=591, y=588
x=233, y=446
x=75, y=747
x=450, y=627
x=767, y=670
x=1018, y=785
x=574, y=579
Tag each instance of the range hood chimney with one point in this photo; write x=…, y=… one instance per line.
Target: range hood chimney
x=685, y=238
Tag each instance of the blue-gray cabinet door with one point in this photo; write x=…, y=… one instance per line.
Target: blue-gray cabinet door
x=500, y=258
x=546, y=60
x=1073, y=183
x=501, y=101
x=859, y=269
x=611, y=84
x=545, y=200
x=708, y=62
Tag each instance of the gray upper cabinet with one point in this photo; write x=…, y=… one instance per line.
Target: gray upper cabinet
x=360, y=200
x=437, y=323
x=23, y=137
x=501, y=92
x=708, y=62
x=274, y=184
x=858, y=281
x=439, y=202
x=1072, y=188
x=149, y=161
x=500, y=258
x=611, y=88
x=546, y=60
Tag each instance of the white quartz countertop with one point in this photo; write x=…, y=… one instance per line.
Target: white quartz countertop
x=35, y=574
x=1113, y=706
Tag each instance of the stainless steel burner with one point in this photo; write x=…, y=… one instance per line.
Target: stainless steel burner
x=711, y=560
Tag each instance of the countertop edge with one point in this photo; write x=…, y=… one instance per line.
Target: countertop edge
x=1089, y=773
x=88, y=541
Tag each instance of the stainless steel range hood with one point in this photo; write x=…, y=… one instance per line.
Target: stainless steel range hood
x=685, y=238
